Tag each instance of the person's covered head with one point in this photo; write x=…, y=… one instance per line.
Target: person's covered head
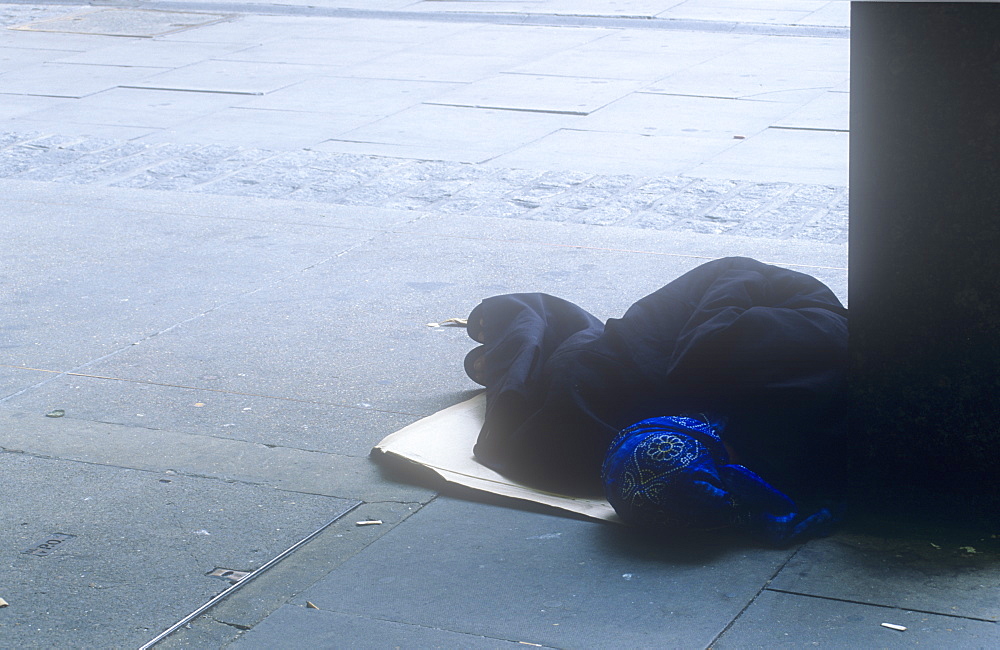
x=674, y=472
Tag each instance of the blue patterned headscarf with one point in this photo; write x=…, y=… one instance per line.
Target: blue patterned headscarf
x=674, y=472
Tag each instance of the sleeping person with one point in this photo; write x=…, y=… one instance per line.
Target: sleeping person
x=715, y=402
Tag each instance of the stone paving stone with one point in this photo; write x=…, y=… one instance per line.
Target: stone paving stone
x=312, y=51
x=281, y=420
x=655, y=114
x=548, y=580
x=830, y=111
x=150, y=53
x=62, y=42
x=461, y=66
x=811, y=54
x=12, y=58
x=607, y=153
x=449, y=133
x=371, y=97
x=262, y=129
x=238, y=77
x=591, y=61
x=930, y=573
x=400, y=31
x=539, y=93
x=136, y=107
x=522, y=41
x=54, y=256
x=784, y=620
x=317, y=628
x=68, y=80
x=207, y=456
x=19, y=105
x=732, y=79
x=809, y=157
x=656, y=43
x=143, y=545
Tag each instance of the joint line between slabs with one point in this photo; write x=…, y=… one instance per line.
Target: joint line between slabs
x=896, y=607
x=762, y=589
x=210, y=390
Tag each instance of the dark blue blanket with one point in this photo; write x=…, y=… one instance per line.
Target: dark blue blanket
x=763, y=346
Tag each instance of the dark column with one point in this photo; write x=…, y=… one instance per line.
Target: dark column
x=925, y=258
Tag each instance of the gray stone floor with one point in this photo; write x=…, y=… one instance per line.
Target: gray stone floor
x=226, y=234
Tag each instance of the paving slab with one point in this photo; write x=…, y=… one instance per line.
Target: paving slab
x=261, y=128
x=12, y=58
x=524, y=41
x=49, y=41
x=828, y=112
x=204, y=455
x=150, y=52
x=447, y=133
x=62, y=247
x=19, y=105
x=399, y=31
x=318, y=50
x=546, y=94
x=777, y=620
x=599, y=61
x=69, y=80
x=949, y=573
x=678, y=115
x=307, y=627
x=705, y=45
x=547, y=580
x=237, y=77
x=373, y=98
x=460, y=66
x=154, y=109
x=132, y=549
x=602, y=152
x=276, y=420
x=787, y=155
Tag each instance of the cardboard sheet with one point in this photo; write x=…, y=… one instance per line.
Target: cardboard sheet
x=443, y=443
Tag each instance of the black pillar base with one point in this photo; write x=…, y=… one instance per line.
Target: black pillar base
x=925, y=259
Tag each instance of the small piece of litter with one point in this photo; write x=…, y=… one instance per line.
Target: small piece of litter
x=309, y=605
x=891, y=626
x=369, y=522
x=58, y=413
x=536, y=645
x=457, y=322
x=934, y=545
x=739, y=137
x=3, y=603
x=968, y=549
x=199, y=404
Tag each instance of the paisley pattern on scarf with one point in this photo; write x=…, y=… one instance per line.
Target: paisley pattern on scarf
x=674, y=472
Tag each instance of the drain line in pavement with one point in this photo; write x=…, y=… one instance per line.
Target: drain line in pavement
x=250, y=576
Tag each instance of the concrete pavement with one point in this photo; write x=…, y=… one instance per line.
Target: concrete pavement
x=227, y=231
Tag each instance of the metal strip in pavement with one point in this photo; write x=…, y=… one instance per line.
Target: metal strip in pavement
x=253, y=574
